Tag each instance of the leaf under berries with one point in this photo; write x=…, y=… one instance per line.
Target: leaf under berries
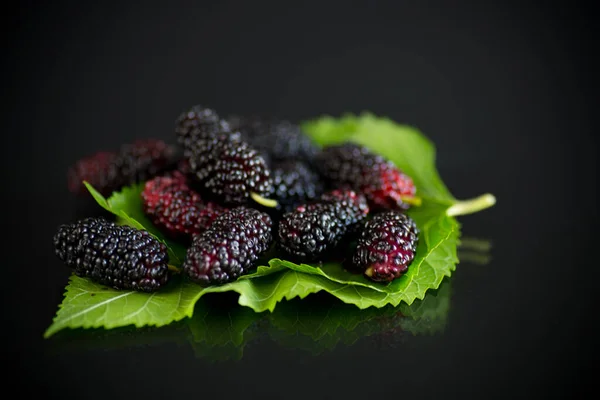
x=90, y=305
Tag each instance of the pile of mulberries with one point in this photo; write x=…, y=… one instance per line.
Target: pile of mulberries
x=232, y=190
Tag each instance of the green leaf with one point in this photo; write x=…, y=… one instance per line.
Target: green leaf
x=220, y=329
x=314, y=324
x=90, y=305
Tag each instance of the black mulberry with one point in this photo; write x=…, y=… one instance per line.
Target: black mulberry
x=198, y=123
x=230, y=170
x=277, y=139
x=135, y=162
x=352, y=207
x=386, y=246
x=294, y=183
x=311, y=230
x=357, y=167
x=229, y=248
x=121, y=257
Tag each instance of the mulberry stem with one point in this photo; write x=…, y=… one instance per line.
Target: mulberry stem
x=412, y=200
x=263, y=201
x=472, y=205
x=174, y=269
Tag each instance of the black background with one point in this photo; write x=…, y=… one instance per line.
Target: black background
x=504, y=89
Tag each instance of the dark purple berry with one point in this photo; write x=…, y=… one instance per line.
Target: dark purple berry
x=135, y=162
x=120, y=257
x=229, y=169
x=353, y=205
x=386, y=246
x=355, y=166
x=294, y=183
x=277, y=139
x=196, y=124
x=311, y=230
x=229, y=248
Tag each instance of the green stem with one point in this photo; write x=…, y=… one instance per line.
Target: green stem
x=271, y=203
x=412, y=200
x=471, y=206
x=174, y=269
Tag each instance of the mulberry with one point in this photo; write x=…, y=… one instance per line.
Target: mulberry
x=121, y=257
x=175, y=208
x=294, y=183
x=384, y=185
x=196, y=124
x=277, y=139
x=132, y=163
x=353, y=204
x=230, y=170
x=386, y=246
x=229, y=248
x=311, y=230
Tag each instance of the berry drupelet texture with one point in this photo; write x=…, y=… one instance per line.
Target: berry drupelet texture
x=229, y=169
x=132, y=163
x=352, y=207
x=229, y=248
x=175, y=208
x=120, y=257
x=386, y=246
x=357, y=167
x=311, y=230
x=198, y=123
x=294, y=183
x=276, y=139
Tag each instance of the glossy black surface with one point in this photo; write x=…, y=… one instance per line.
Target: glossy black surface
x=504, y=89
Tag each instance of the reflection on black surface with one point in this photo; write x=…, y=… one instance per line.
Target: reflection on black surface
x=474, y=251
x=220, y=329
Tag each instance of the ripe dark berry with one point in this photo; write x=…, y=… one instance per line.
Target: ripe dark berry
x=353, y=204
x=355, y=166
x=121, y=257
x=313, y=229
x=177, y=209
x=132, y=163
x=275, y=138
x=229, y=169
x=198, y=123
x=294, y=183
x=386, y=246
x=308, y=231
x=229, y=248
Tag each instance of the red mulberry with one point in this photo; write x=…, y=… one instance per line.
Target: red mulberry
x=175, y=208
